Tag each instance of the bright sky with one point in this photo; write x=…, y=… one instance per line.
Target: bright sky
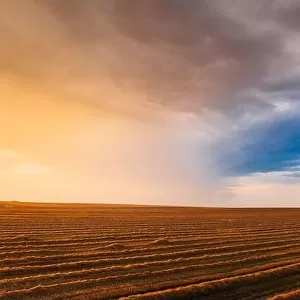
x=150, y=101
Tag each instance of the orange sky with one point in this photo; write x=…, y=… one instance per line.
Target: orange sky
x=56, y=150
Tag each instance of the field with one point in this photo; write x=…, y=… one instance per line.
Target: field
x=76, y=251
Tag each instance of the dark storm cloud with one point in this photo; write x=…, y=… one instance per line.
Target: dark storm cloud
x=216, y=53
x=285, y=84
x=182, y=54
x=287, y=12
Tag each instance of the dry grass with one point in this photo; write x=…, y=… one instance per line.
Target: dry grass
x=63, y=251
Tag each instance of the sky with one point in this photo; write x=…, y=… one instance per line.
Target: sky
x=170, y=102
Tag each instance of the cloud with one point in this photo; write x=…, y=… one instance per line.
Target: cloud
x=30, y=169
x=9, y=154
x=144, y=56
x=273, y=189
x=13, y=163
